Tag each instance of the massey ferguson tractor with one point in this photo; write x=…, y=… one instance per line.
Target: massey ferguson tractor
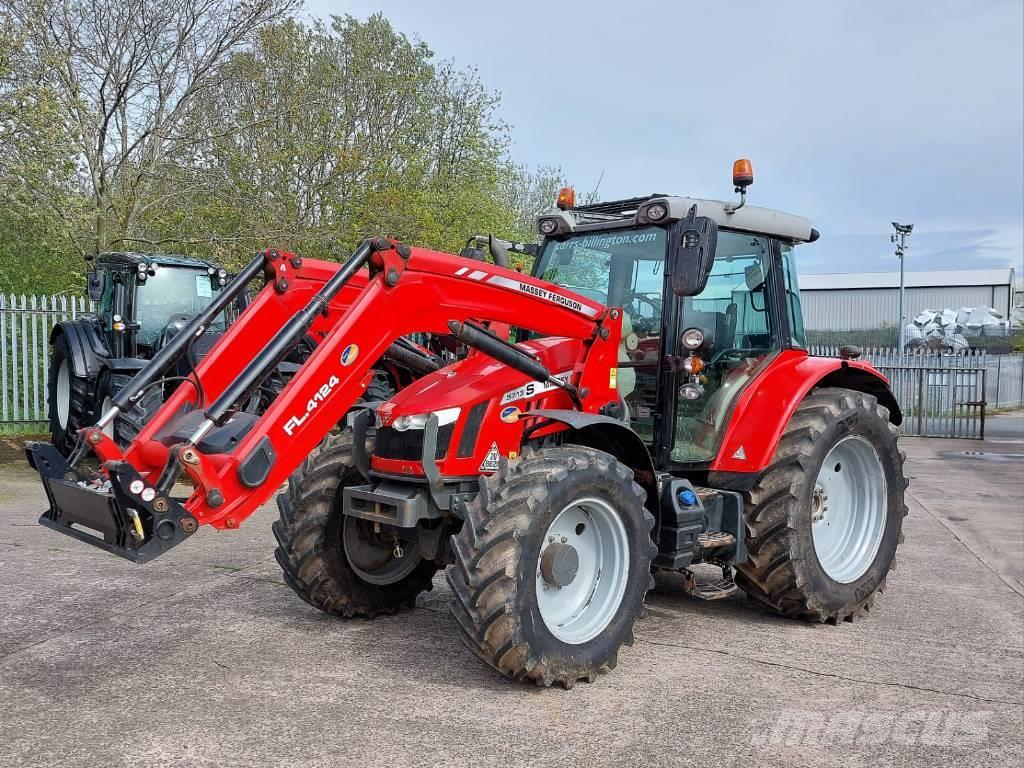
x=660, y=414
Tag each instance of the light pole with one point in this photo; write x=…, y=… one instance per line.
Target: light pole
x=900, y=239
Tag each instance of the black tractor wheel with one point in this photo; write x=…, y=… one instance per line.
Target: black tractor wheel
x=824, y=520
x=552, y=565
x=338, y=564
x=69, y=398
x=129, y=423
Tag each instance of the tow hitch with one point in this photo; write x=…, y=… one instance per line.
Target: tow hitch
x=117, y=511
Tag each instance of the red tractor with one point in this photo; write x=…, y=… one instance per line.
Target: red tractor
x=660, y=413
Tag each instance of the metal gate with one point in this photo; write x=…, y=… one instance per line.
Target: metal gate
x=939, y=400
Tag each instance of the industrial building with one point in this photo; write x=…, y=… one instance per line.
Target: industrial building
x=867, y=300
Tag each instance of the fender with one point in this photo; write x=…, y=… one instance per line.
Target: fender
x=611, y=436
x=765, y=407
x=87, y=348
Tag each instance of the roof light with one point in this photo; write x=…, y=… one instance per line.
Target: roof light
x=547, y=226
x=656, y=212
x=742, y=174
x=566, y=198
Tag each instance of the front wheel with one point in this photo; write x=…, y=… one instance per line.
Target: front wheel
x=69, y=400
x=552, y=565
x=338, y=564
x=825, y=519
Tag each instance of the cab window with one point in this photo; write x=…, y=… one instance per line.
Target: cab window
x=796, y=316
x=620, y=268
x=735, y=310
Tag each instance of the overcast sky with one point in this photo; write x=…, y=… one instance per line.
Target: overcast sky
x=854, y=114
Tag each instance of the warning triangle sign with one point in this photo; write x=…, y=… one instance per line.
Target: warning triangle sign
x=490, y=462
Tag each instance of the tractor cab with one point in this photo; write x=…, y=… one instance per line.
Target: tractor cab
x=144, y=299
x=685, y=354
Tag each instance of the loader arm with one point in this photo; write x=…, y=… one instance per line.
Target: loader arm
x=235, y=466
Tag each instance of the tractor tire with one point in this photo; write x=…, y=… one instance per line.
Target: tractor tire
x=129, y=423
x=826, y=517
x=506, y=588
x=69, y=398
x=311, y=533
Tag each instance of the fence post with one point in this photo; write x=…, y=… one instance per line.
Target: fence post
x=984, y=373
x=34, y=321
x=3, y=356
x=920, y=402
x=999, y=371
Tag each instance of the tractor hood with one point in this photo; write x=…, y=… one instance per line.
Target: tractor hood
x=478, y=378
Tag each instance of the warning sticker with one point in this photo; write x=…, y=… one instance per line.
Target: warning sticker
x=204, y=289
x=490, y=462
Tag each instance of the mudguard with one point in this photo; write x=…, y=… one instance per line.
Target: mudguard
x=611, y=436
x=765, y=407
x=87, y=349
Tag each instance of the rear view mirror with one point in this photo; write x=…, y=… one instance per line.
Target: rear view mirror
x=94, y=285
x=692, y=242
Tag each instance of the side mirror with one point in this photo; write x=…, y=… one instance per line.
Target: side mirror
x=499, y=250
x=94, y=285
x=692, y=242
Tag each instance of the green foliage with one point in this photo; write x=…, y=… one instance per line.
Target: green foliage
x=242, y=129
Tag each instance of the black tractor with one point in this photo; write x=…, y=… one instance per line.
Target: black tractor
x=142, y=301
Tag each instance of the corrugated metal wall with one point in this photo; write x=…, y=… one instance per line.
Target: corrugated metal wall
x=866, y=308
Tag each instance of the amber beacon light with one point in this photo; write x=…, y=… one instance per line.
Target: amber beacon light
x=742, y=174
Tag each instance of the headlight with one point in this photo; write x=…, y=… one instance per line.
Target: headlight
x=691, y=391
x=656, y=212
x=222, y=273
x=419, y=420
x=547, y=226
x=693, y=338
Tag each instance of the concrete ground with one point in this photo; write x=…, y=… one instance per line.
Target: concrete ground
x=205, y=658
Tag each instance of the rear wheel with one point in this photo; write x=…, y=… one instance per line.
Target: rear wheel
x=337, y=564
x=68, y=397
x=552, y=564
x=826, y=517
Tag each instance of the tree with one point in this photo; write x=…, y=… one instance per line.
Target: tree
x=320, y=135
x=123, y=76
x=39, y=207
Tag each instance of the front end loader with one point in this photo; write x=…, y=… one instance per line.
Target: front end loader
x=641, y=402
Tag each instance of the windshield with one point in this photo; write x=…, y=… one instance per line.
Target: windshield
x=171, y=291
x=621, y=268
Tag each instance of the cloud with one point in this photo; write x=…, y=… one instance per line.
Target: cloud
x=853, y=114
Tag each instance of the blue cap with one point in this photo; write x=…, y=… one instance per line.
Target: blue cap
x=687, y=497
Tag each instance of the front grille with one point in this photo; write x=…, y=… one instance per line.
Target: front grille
x=408, y=445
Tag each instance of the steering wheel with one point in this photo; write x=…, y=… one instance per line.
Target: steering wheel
x=641, y=323
x=732, y=352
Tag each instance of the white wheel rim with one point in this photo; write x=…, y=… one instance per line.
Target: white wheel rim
x=63, y=394
x=848, y=507
x=105, y=406
x=579, y=611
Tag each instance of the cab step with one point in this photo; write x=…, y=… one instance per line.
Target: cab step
x=711, y=589
x=715, y=540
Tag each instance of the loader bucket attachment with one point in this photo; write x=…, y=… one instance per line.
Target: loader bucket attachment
x=122, y=513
